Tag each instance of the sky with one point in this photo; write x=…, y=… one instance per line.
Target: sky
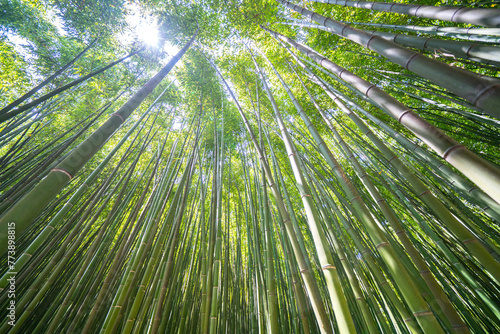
x=145, y=28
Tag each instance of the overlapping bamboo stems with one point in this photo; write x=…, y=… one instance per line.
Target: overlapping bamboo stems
x=212, y=238
x=483, y=173
x=339, y=302
x=446, y=251
x=173, y=236
x=116, y=257
x=481, y=91
x=488, y=243
x=44, y=234
x=93, y=254
x=374, y=268
x=272, y=298
x=48, y=188
x=204, y=252
x=310, y=282
x=131, y=275
x=439, y=295
x=486, y=281
x=486, y=54
x=39, y=287
x=284, y=188
x=362, y=210
x=469, y=240
x=255, y=234
x=489, y=17
x=34, y=174
x=17, y=161
x=219, y=162
x=298, y=289
x=295, y=283
x=37, y=114
x=463, y=212
x=461, y=184
x=35, y=89
x=411, y=82
x=484, y=35
x=366, y=322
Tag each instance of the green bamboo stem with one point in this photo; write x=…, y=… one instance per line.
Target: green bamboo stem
x=46, y=81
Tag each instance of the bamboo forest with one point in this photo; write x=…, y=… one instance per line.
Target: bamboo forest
x=249, y=166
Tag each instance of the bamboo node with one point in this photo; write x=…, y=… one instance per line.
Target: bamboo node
x=422, y=313
x=470, y=47
x=403, y=114
x=382, y=244
x=355, y=198
x=342, y=31
x=448, y=151
x=453, y=16
x=468, y=241
x=425, y=192
x=62, y=171
x=483, y=92
x=119, y=116
x=369, y=40
x=368, y=90
x=416, y=10
x=407, y=65
x=472, y=189
x=328, y=266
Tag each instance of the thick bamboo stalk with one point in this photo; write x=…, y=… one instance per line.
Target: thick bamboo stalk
x=489, y=17
x=477, y=52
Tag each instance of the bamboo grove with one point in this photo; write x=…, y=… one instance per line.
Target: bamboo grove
x=295, y=167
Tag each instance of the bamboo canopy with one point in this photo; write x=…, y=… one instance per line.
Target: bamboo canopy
x=264, y=166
